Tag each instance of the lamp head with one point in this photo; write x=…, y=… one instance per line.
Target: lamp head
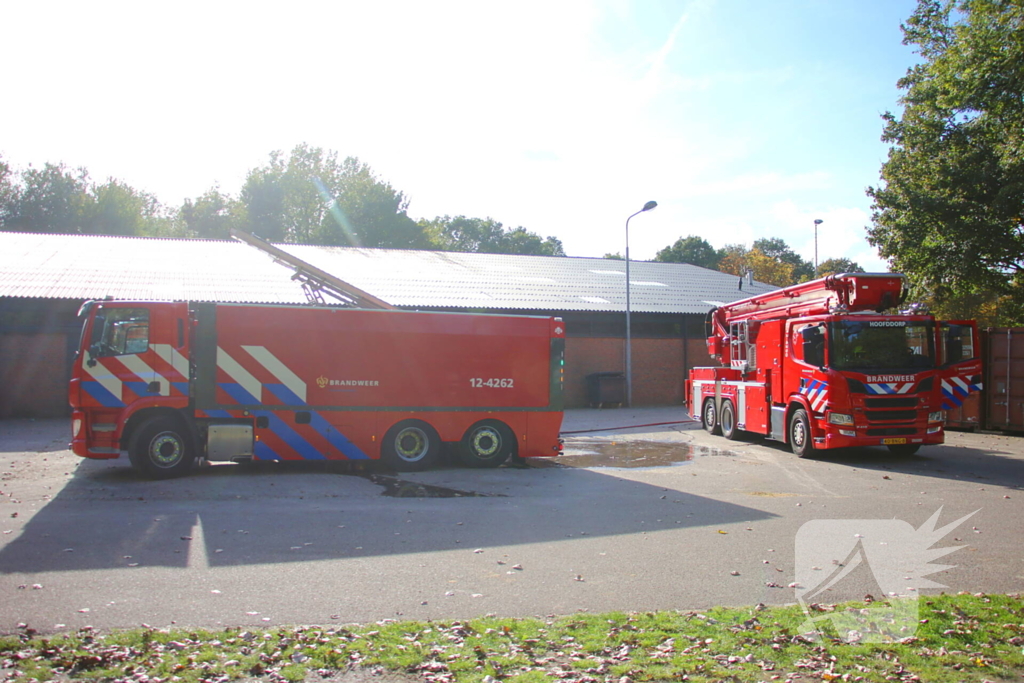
x=818, y=221
x=649, y=205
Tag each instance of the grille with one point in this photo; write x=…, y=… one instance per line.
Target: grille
x=891, y=415
x=891, y=431
x=894, y=402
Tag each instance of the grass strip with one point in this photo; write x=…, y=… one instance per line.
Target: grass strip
x=947, y=638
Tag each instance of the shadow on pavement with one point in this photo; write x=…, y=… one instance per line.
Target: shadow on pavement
x=226, y=515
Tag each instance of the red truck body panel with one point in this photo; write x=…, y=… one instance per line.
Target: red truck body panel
x=316, y=382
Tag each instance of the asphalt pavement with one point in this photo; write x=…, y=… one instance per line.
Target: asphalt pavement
x=643, y=511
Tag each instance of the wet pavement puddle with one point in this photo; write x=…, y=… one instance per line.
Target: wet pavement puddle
x=594, y=453
x=401, y=488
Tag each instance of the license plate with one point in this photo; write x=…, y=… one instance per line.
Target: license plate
x=893, y=442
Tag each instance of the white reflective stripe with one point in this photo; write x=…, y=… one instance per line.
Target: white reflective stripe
x=172, y=357
x=278, y=370
x=146, y=373
x=239, y=374
x=105, y=377
x=905, y=388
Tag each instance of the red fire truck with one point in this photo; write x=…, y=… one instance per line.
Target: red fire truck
x=175, y=382
x=818, y=365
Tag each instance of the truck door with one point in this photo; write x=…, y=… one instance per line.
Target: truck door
x=126, y=358
x=960, y=358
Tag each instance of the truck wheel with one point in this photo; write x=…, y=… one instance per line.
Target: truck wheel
x=161, y=448
x=486, y=444
x=709, y=417
x=728, y=421
x=904, y=449
x=411, y=446
x=800, y=439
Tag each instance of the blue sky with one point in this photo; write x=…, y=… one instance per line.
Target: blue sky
x=742, y=118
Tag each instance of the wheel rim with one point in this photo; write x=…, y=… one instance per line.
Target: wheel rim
x=709, y=414
x=411, y=444
x=166, y=449
x=486, y=442
x=799, y=433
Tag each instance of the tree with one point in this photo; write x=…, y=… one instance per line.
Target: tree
x=734, y=259
x=950, y=209
x=693, y=250
x=617, y=256
x=119, y=209
x=771, y=261
x=50, y=199
x=487, y=236
x=8, y=192
x=213, y=215
x=312, y=198
x=835, y=266
x=777, y=249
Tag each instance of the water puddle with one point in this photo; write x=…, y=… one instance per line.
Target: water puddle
x=400, y=488
x=627, y=454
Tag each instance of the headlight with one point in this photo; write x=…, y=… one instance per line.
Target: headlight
x=840, y=419
x=937, y=416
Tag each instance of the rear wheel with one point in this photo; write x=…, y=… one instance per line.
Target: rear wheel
x=486, y=444
x=161, y=448
x=800, y=434
x=709, y=417
x=411, y=446
x=904, y=449
x=728, y=421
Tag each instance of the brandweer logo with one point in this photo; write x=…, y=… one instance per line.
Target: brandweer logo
x=874, y=379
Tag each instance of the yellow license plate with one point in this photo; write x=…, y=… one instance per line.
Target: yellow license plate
x=893, y=442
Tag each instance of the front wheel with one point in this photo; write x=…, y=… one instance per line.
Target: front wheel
x=161, y=448
x=709, y=417
x=800, y=434
x=486, y=444
x=411, y=446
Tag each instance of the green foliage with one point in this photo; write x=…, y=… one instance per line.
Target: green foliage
x=771, y=261
x=312, y=198
x=308, y=196
x=777, y=249
x=693, y=250
x=835, y=266
x=56, y=199
x=212, y=216
x=487, y=236
x=949, y=212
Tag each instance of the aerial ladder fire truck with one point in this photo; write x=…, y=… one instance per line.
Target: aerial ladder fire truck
x=819, y=365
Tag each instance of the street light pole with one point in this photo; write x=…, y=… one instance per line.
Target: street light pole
x=817, y=222
x=629, y=350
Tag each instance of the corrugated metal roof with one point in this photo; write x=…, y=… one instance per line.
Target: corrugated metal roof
x=94, y=266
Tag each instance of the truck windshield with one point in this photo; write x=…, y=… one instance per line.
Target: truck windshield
x=871, y=345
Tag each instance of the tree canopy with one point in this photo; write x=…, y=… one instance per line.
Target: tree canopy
x=486, y=235
x=950, y=210
x=307, y=196
x=835, y=266
x=693, y=250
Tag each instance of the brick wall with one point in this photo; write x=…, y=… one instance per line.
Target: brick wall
x=659, y=367
x=34, y=375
